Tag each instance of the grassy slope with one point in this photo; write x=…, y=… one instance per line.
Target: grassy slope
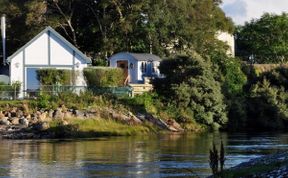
x=96, y=128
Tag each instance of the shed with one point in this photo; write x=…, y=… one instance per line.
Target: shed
x=46, y=50
x=136, y=66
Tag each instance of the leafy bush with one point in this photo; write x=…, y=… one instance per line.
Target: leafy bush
x=9, y=91
x=267, y=107
x=104, y=77
x=147, y=102
x=54, y=76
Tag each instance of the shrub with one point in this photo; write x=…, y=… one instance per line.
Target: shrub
x=267, y=107
x=9, y=91
x=147, y=102
x=103, y=77
x=54, y=76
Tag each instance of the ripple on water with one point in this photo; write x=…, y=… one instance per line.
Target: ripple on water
x=181, y=156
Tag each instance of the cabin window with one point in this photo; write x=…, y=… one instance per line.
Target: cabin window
x=131, y=65
x=153, y=67
x=143, y=67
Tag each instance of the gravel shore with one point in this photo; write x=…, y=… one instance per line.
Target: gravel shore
x=272, y=166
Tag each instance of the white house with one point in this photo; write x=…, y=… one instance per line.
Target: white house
x=136, y=66
x=46, y=50
x=229, y=40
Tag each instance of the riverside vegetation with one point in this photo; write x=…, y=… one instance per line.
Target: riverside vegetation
x=204, y=88
x=182, y=110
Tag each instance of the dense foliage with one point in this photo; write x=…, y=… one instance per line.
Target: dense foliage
x=203, y=84
x=54, y=76
x=265, y=38
x=190, y=85
x=104, y=77
x=101, y=28
x=267, y=100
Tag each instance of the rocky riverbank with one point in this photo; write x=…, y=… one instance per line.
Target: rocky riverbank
x=18, y=123
x=272, y=166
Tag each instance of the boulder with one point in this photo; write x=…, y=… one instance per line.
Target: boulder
x=15, y=121
x=58, y=114
x=78, y=113
x=120, y=117
x=43, y=117
x=68, y=114
x=42, y=126
x=135, y=119
x=50, y=113
x=24, y=122
x=1, y=115
x=64, y=122
x=33, y=120
x=19, y=113
x=5, y=121
x=141, y=116
x=174, y=126
x=28, y=116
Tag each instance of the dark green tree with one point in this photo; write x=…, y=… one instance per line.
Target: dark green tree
x=190, y=85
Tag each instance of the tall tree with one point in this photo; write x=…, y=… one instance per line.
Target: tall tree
x=265, y=38
x=101, y=28
x=190, y=85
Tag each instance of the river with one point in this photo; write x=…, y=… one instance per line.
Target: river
x=173, y=155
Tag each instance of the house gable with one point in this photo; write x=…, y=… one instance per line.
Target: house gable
x=40, y=48
x=36, y=53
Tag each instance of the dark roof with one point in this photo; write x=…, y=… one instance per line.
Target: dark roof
x=139, y=56
x=88, y=60
x=145, y=57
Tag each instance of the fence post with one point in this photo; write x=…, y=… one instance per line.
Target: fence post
x=14, y=92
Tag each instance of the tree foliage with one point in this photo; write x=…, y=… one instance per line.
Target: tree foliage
x=267, y=100
x=190, y=85
x=266, y=38
x=101, y=28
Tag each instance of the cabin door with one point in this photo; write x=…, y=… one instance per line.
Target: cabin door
x=124, y=66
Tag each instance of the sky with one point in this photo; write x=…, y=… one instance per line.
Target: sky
x=245, y=10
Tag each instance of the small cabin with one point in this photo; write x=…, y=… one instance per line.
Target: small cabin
x=138, y=67
x=48, y=49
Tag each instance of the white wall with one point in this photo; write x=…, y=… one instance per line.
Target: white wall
x=16, y=71
x=229, y=40
x=61, y=54
x=37, y=52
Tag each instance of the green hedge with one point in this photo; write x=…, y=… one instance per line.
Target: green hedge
x=104, y=77
x=9, y=91
x=54, y=76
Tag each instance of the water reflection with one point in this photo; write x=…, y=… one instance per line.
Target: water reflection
x=150, y=156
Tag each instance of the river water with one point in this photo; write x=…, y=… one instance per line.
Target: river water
x=173, y=155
